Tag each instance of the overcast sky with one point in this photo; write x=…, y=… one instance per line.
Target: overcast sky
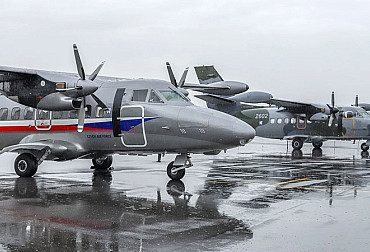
x=295, y=49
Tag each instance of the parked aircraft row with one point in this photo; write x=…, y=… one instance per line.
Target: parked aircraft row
x=291, y=120
x=57, y=116
x=60, y=116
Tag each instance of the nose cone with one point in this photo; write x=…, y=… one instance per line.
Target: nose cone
x=242, y=132
x=230, y=131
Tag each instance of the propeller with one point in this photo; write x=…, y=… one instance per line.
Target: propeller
x=84, y=87
x=172, y=76
x=356, y=101
x=332, y=110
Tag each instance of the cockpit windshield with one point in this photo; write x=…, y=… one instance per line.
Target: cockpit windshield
x=172, y=95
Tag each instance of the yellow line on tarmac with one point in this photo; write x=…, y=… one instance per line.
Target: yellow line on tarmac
x=291, y=181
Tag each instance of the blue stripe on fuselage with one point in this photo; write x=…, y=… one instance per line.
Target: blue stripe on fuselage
x=126, y=125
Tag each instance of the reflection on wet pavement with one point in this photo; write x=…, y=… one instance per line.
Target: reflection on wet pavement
x=258, y=201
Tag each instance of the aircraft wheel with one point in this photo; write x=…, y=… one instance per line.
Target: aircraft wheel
x=174, y=175
x=297, y=143
x=317, y=144
x=102, y=163
x=364, y=147
x=25, y=165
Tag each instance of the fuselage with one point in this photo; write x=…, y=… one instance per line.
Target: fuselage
x=354, y=123
x=131, y=116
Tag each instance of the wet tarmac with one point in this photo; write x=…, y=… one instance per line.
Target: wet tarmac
x=260, y=197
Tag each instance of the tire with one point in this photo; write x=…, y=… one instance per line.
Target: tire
x=297, y=143
x=102, y=164
x=174, y=175
x=317, y=144
x=364, y=147
x=25, y=165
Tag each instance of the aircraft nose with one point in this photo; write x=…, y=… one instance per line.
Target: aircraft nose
x=230, y=131
x=242, y=132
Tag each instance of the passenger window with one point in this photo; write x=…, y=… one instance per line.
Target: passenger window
x=293, y=121
x=286, y=120
x=272, y=120
x=103, y=112
x=16, y=113
x=154, y=98
x=3, y=114
x=73, y=114
x=43, y=115
x=88, y=111
x=279, y=120
x=57, y=114
x=139, y=95
x=28, y=113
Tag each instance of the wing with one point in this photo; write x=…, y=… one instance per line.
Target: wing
x=200, y=87
x=214, y=99
x=298, y=107
x=48, y=149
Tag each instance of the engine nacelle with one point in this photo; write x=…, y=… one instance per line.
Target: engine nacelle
x=252, y=97
x=319, y=117
x=58, y=102
x=228, y=88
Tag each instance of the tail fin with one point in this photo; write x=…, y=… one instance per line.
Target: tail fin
x=207, y=74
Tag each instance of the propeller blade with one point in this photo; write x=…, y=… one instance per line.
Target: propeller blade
x=332, y=99
x=98, y=101
x=170, y=73
x=96, y=72
x=356, y=101
x=331, y=119
x=183, y=77
x=80, y=69
x=81, y=116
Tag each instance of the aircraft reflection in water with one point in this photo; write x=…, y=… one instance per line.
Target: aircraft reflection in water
x=276, y=178
x=64, y=116
x=39, y=216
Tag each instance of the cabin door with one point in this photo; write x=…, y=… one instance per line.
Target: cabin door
x=42, y=120
x=132, y=119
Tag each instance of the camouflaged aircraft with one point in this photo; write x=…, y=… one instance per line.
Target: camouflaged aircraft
x=57, y=116
x=296, y=121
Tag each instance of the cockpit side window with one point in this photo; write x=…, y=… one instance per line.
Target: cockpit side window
x=171, y=95
x=139, y=95
x=154, y=98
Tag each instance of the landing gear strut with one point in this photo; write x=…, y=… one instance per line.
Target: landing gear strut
x=25, y=165
x=317, y=144
x=102, y=163
x=176, y=169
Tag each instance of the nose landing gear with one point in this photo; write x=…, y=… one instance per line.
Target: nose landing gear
x=176, y=169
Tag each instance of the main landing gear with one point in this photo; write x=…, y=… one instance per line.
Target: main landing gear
x=176, y=169
x=297, y=143
x=364, y=147
x=26, y=164
x=102, y=163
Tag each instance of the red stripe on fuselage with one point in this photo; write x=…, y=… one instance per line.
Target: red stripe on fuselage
x=45, y=128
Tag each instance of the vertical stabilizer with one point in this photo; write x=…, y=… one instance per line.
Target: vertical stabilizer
x=207, y=74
